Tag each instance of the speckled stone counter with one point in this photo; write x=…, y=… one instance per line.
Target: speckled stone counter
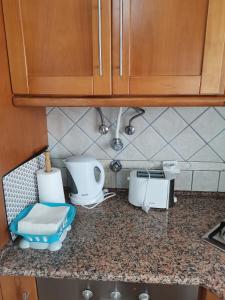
x=117, y=241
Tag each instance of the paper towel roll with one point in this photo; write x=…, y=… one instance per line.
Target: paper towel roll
x=50, y=186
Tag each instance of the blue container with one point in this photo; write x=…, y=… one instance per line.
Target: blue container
x=43, y=238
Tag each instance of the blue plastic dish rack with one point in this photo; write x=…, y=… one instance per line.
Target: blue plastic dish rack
x=43, y=238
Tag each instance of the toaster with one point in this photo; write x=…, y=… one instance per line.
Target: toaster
x=150, y=189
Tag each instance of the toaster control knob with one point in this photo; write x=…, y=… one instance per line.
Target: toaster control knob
x=115, y=295
x=144, y=296
x=87, y=294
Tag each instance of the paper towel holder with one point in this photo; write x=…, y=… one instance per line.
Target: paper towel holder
x=50, y=184
x=48, y=165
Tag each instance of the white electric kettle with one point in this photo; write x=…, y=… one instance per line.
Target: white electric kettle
x=83, y=170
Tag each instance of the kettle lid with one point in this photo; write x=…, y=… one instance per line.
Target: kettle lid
x=80, y=158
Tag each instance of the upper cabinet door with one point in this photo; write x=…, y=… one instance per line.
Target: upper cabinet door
x=168, y=47
x=59, y=47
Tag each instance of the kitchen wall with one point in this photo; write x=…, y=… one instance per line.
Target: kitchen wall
x=193, y=136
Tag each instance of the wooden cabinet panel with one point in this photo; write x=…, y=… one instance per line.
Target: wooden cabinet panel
x=17, y=288
x=213, y=74
x=54, y=47
x=164, y=85
x=207, y=295
x=167, y=37
x=57, y=37
x=163, y=46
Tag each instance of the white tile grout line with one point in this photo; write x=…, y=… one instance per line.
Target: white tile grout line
x=215, y=108
x=207, y=143
x=206, y=108
x=61, y=109
x=150, y=123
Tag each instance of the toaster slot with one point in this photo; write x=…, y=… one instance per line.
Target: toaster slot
x=153, y=174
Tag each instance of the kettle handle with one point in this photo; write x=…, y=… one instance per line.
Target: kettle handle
x=102, y=174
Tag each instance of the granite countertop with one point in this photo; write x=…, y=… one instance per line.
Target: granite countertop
x=117, y=241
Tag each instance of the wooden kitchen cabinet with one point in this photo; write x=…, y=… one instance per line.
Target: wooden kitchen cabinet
x=168, y=47
x=23, y=131
x=18, y=288
x=207, y=295
x=162, y=48
x=59, y=47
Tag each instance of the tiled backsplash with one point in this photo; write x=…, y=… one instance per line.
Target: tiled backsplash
x=193, y=136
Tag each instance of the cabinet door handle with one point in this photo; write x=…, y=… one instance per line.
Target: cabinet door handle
x=121, y=38
x=26, y=295
x=100, y=37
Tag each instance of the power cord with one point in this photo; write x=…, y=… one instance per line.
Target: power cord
x=106, y=196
